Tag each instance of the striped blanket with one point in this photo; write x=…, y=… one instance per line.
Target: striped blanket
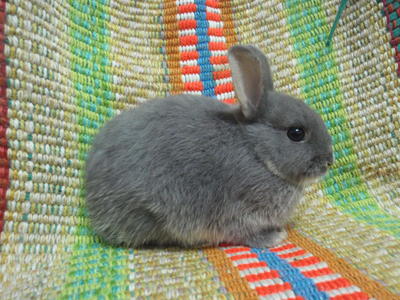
x=67, y=66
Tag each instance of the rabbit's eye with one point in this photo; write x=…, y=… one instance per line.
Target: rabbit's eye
x=296, y=134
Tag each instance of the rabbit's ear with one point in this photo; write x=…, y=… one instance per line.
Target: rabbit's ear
x=251, y=76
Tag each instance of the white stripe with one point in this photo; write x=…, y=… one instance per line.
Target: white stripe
x=321, y=265
x=215, y=24
x=192, y=62
x=188, y=48
x=224, y=96
x=254, y=271
x=324, y=278
x=183, y=2
x=221, y=67
x=219, y=52
x=279, y=296
x=187, y=32
x=223, y=80
x=214, y=38
x=185, y=16
x=213, y=10
x=190, y=77
x=244, y=261
x=265, y=282
x=193, y=92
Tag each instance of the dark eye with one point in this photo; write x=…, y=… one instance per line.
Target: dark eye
x=296, y=134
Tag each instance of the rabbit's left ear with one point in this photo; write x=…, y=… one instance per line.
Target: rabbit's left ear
x=251, y=76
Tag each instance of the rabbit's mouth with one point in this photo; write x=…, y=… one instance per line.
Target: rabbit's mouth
x=314, y=172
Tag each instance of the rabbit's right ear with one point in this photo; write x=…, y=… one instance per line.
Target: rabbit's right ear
x=251, y=78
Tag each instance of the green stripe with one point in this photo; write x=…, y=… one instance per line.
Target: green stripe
x=321, y=89
x=95, y=270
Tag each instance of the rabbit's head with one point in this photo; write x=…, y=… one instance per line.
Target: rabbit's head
x=286, y=135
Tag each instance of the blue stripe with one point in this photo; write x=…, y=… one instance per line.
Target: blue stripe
x=301, y=285
x=206, y=68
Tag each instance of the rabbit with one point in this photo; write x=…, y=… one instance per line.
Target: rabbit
x=190, y=171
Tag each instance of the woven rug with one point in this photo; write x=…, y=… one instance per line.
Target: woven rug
x=68, y=66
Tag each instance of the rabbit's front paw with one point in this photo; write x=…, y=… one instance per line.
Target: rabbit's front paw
x=267, y=238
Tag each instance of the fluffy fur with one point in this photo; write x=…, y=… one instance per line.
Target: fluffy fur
x=191, y=171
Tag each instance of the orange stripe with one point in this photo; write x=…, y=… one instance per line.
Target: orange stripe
x=338, y=265
x=229, y=31
x=237, y=286
x=172, y=39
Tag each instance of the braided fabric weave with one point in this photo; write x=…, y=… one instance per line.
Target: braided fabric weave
x=66, y=67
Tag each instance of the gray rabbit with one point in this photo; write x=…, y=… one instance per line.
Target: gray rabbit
x=190, y=171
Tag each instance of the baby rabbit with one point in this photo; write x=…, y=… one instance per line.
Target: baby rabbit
x=190, y=171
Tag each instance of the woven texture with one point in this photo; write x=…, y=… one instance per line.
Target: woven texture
x=68, y=66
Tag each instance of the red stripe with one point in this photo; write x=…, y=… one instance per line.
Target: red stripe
x=333, y=284
x=229, y=101
x=189, y=55
x=305, y=262
x=292, y=254
x=352, y=296
x=262, y=276
x=210, y=16
x=236, y=250
x=222, y=74
x=217, y=46
x=260, y=264
x=224, y=88
x=219, y=60
x=243, y=256
x=212, y=3
x=187, y=8
x=187, y=24
x=273, y=289
x=191, y=70
x=283, y=248
x=215, y=32
x=187, y=40
x=4, y=167
x=316, y=273
x=194, y=86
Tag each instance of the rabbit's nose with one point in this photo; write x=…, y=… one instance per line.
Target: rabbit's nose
x=326, y=159
x=330, y=160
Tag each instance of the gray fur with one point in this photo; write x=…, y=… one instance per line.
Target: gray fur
x=191, y=171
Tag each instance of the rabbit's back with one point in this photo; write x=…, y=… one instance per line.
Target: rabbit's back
x=165, y=160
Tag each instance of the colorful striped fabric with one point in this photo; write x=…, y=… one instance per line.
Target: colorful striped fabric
x=66, y=67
